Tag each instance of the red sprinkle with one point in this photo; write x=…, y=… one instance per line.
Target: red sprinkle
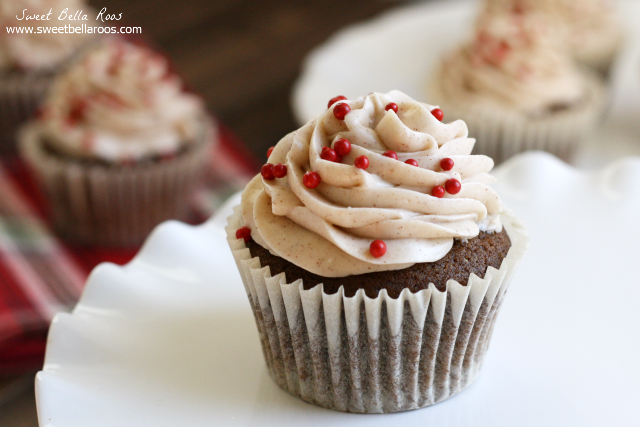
x=328, y=154
x=279, y=170
x=446, y=164
x=243, y=233
x=267, y=172
x=77, y=111
x=437, y=113
x=391, y=154
x=411, y=162
x=453, y=186
x=438, y=192
x=341, y=110
x=378, y=248
x=269, y=151
x=361, y=162
x=336, y=99
x=392, y=106
x=342, y=147
x=311, y=179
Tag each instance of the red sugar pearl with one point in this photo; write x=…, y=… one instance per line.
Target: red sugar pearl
x=267, y=172
x=279, y=170
x=437, y=113
x=391, y=154
x=311, y=179
x=336, y=99
x=361, y=162
x=446, y=164
x=341, y=110
x=438, y=192
x=342, y=147
x=378, y=248
x=243, y=233
x=453, y=186
x=392, y=106
x=411, y=162
x=328, y=154
x=269, y=151
x=339, y=159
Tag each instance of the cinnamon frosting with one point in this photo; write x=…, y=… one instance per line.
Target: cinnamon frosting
x=591, y=27
x=328, y=230
x=120, y=103
x=514, y=62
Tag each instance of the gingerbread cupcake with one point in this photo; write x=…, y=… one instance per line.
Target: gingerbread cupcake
x=119, y=146
x=375, y=256
x=517, y=89
x=29, y=60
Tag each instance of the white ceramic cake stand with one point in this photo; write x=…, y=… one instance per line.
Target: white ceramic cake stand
x=169, y=340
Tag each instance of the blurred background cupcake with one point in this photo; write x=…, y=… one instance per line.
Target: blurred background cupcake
x=30, y=60
x=592, y=28
x=119, y=146
x=517, y=88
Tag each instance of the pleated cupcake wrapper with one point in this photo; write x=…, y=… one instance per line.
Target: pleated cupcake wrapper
x=374, y=355
x=112, y=205
x=501, y=133
x=20, y=97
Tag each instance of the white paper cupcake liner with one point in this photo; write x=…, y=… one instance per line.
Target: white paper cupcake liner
x=374, y=355
x=96, y=204
x=501, y=133
x=20, y=97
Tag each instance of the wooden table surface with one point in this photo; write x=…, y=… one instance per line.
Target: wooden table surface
x=243, y=57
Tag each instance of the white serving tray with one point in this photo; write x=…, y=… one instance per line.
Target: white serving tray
x=169, y=340
x=401, y=48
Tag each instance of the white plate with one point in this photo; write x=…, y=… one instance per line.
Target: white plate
x=400, y=49
x=169, y=340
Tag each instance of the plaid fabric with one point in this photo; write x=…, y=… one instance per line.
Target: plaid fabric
x=41, y=275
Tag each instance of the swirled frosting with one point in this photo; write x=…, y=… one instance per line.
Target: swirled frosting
x=591, y=27
x=328, y=230
x=514, y=61
x=121, y=102
x=34, y=51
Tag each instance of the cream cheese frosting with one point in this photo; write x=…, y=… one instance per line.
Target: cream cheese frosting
x=328, y=230
x=516, y=62
x=121, y=102
x=37, y=51
x=592, y=27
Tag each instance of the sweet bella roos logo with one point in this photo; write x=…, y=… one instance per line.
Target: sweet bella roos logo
x=66, y=15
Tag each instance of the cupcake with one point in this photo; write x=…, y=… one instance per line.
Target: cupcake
x=119, y=146
x=517, y=89
x=592, y=28
x=30, y=60
x=375, y=256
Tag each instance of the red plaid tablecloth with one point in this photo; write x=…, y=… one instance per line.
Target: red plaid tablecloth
x=40, y=275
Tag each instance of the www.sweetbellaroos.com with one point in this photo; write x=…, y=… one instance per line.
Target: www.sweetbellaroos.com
x=72, y=20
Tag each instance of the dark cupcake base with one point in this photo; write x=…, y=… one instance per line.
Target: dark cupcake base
x=473, y=256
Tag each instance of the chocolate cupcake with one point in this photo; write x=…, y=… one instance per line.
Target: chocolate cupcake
x=119, y=146
x=375, y=256
x=29, y=61
x=518, y=89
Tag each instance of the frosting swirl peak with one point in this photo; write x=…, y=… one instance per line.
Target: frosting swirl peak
x=328, y=230
x=514, y=61
x=120, y=103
